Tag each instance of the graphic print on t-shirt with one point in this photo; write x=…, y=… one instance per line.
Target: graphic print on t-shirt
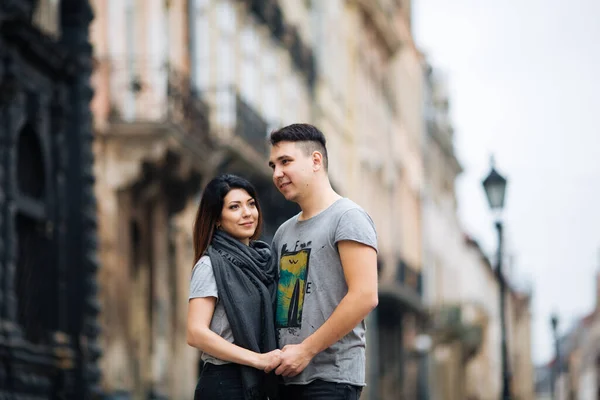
x=293, y=275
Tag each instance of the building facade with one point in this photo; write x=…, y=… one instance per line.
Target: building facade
x=48, y=307
x=462, y=287
x=381, y=130
x=457, y=320
x=187, y=89
x=574, y=373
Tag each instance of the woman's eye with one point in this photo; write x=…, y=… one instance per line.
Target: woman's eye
x=284, y=162
x=233, y=207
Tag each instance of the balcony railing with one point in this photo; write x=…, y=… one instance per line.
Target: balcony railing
x=382, y=14
x=149, y=91
x=269, y=12
x=409, y=277
x=231, y=116
x=449, y=324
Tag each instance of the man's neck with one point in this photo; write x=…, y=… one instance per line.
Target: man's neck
x=321, y=197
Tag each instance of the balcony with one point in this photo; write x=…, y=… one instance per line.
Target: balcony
x=270, y=14
x=236, y=123
x=382, y=15
x=148, y=94
x=451, y=322
x=447, y=321
x=404, y=293
x=410, y=278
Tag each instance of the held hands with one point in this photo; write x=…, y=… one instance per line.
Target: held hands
x=290, y=361
x=294, y=358
x=269, y=361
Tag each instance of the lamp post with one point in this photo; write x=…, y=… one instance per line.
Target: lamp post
x=556, y=368
x=495, y=189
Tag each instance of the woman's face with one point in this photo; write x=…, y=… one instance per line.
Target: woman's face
x=239, y=216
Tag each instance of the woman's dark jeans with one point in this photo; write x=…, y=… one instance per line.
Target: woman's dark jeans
x=220, y=382
x=320, y=390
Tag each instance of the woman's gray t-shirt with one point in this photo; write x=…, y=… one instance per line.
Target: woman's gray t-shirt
x=203, y=284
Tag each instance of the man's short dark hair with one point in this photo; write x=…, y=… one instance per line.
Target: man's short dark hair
x=308, y=136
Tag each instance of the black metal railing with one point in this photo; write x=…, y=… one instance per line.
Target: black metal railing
x=250, y=126
x=269, y=13
x=231, y=115
x=187, y=110
x=141, y=90
x=409, y=277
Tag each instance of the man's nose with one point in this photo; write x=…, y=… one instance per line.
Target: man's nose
x=277, y=172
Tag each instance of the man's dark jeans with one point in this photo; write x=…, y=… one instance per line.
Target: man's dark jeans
x=220, y=382
x=320, y=390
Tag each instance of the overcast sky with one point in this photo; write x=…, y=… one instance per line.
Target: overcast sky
x=524, y=85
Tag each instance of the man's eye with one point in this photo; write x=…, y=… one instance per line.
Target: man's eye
x=284, y=162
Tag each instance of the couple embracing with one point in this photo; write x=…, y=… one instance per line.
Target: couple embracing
x=284, y=321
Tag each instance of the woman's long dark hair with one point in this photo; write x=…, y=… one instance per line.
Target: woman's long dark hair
x=211, y=206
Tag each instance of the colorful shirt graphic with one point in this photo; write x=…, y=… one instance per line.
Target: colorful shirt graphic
x=293, y=275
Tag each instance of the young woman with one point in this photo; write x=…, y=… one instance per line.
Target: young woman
x=232, y=290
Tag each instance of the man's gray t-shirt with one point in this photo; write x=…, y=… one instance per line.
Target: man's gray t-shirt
x=203, y=284
x=312, y=284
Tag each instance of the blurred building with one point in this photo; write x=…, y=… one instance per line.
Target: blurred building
x=575, y=372
x=519, y=321
x=187, y=89
x=48, y=307
x=543, y=382
x=457, y=320
x=462, y=288
x=369, y=103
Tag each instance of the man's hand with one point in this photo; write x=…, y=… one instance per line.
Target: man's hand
x=294, y=358
x=269, y=361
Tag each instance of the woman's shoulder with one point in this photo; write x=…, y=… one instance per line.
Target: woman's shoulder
x=205, y=259
x=202, y=265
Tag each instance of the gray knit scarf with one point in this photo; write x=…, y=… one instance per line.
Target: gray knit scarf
x=246, y=283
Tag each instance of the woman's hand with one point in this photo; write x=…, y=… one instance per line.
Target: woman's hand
x=269, y=361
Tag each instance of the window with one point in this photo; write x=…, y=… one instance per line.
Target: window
x=46, y=17
x=250, y=78
x=225, y=50
x=200, y=43
x=270, y=92
x=129, y=106
x=157, y=28
x=226, y=23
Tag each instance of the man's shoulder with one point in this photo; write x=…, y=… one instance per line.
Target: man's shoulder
x=345, y=204
x=343, y=208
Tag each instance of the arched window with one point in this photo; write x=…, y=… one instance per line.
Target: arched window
x=30, y=169
x=36, y=272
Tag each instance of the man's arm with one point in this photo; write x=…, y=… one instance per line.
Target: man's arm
x=359, y=262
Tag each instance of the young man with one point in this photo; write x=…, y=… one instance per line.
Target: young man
x=327, y=258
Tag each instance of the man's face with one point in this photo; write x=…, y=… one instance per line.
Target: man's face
x=292, y=169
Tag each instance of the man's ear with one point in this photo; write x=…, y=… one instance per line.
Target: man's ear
x=317, y=159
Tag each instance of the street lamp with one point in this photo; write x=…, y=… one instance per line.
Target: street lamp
x=556, y=368
x=495, y=189
x=422, y=347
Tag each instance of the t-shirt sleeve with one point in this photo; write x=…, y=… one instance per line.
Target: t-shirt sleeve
x=356, y=225
x=203, y=283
